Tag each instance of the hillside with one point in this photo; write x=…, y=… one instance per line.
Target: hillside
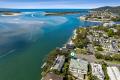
x=109, y=8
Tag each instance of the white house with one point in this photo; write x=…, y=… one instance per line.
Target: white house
x=78, y=68
x=59, y=62
x=97, y=71
x=113, y=73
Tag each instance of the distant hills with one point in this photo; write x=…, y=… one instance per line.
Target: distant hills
x=109, y=8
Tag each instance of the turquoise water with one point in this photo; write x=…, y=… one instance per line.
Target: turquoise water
x=25, y=40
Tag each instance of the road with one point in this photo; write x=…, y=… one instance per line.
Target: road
x=91, y=58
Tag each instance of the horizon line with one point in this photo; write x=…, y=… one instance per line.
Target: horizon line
x=59, y=8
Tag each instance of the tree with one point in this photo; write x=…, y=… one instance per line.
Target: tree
x=116, y=19
x=69, y=77
x=116, y=57
x=81, y=43
x=99, y=56
x=95, y=43
x=99, y=48
x=65, y=69
x=110, y=33
x=89, y=74
x=56, y=72
x=95, y=78
x=81, y=40
x=104, y=67
x=107, y=57
x=81, y=51
x=118, y=31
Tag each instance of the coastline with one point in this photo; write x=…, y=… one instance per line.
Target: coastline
x=40, y=48
x=93, y=56
x=10, y=13
x=64, y=46
x=90, y=20
x=69, y=39
x=59, y=13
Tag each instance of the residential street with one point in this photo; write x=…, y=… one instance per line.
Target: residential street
x=91, y=58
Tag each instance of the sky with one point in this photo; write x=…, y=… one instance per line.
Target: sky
x=57, y=4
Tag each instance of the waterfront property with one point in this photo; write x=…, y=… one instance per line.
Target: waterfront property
x=113, y=73
x=104, y=38
x=83, y=17
x=59, y=61
x=111, y=24
x=97, y=71
x=74, y=34
x=78, y=68
x=97, y=41
x=52, y=76
x=101, y=16
x=28, y=38
x=63, y=49
x=70, y=45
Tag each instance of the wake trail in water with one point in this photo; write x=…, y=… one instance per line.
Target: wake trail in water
x=9, y=52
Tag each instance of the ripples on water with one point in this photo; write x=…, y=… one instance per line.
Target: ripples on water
x=18, y=31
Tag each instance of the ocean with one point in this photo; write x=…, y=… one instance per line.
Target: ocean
x=26, y=39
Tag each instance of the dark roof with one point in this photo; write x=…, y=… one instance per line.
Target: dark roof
x=52, y=76
x=117, y=22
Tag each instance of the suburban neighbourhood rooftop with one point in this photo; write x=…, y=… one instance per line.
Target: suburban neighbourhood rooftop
x=113, y=73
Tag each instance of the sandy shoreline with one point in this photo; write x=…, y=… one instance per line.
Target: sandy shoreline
x=12, y=14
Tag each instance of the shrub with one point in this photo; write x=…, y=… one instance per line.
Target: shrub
x=116, y=57
x=108, y=58
x=99, y=56
x=104, y=67
x=99, y=48
x=110, y=33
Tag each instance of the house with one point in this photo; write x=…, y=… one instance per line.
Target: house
x=90, y=49
x=90, y=38
x=113, y=46
x=63, y=50
x=70, y=45
x=52, y=76
x=83, y=17
x=109, y=24
x=97, y=71
x=113, y=15
x=113, y=73
x=59, y=62
x=117, y=23
x=114, y=30
x=78, y=68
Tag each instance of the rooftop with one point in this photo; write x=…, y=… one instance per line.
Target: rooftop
x=78, y=68
x=113, y=73
x=59, y=62
x=80, y=65
x=52, y=76
x=97, y=70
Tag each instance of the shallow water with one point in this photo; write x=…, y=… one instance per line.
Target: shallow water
x=26, y=39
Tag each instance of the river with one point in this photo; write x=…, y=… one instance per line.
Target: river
x=26, y=39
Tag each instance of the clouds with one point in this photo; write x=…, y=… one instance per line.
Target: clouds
x=57, y=3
